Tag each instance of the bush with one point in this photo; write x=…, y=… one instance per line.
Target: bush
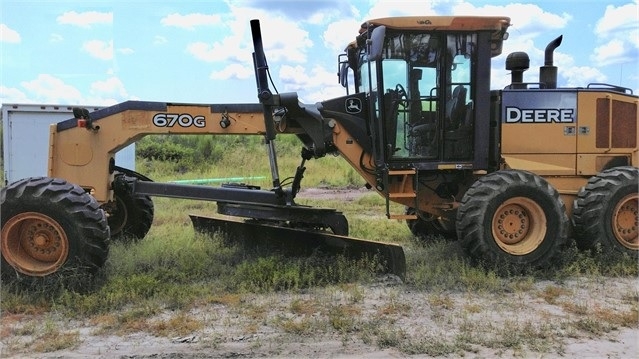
x=163, y=150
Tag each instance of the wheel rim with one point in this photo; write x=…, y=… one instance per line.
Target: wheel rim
x=34, y=244
x=519, y=226
x=624, y=222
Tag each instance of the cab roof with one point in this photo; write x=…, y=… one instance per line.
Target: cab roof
x=497, y=25
x=446, y=23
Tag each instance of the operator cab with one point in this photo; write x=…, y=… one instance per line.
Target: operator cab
x=427, y=86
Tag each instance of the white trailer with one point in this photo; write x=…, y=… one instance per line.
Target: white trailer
x=25, y=135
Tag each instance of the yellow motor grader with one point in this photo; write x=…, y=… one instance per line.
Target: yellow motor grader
x=512, y=174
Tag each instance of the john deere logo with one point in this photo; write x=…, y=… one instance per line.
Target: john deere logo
x=353, y=105
x=539, y=115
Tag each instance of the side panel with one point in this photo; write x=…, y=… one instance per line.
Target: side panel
x=26, y=139
x=539, y=130
x=607, y=131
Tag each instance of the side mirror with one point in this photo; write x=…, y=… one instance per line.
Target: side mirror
x=377, y=43
x=343, y=75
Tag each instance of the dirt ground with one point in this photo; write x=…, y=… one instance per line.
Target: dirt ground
x=383, y=319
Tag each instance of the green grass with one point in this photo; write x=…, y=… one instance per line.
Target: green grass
x=176, y=267
x=246, y=156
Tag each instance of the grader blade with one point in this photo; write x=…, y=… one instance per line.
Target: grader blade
x=293, y=241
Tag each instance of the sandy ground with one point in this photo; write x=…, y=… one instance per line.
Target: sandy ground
x=300, y=325
x=345, y=194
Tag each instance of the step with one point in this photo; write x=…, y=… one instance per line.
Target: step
x=402, y=195
x=411, y=171
x=402, y=216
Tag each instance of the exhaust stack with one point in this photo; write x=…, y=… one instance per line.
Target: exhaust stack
x=548, y=72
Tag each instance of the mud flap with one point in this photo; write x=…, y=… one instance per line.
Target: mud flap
x=293, y=241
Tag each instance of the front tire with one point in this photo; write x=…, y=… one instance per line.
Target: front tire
x=513, y=218
x=53, y=233
x=133, y=214
x=605, y=212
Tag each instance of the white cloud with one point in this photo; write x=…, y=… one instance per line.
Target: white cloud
x=618, y=33
x=327, y=15
x=309, y=12
x=53, y=38
x=12, y=95
x=159, y=40
x=580, y=76
x=85, y=19
x=618, y=18
x=231, y=54
x=238, y=46
x=386, y=8
x=125, y=51
x=318, y=18
x=295, y=77
x=318, y=84
x=99, y=49
x=190, y=21
x=529, y=20
x=236, y=71
x=231, y=47
x=111, y=87
x=290, y=48
x=49, y=89
x=611, y=52
x=9, y=35
x=219, y=51
x=334, y=35
x=575, y=75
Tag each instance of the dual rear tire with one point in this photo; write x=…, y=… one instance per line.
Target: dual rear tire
x=517, y=219
x=605, y=212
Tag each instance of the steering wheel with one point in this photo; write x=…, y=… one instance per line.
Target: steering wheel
x=402, y=95
x=401, y=92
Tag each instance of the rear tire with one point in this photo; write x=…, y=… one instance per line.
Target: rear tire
x=133, y=214
x=53, y=234
x=605, y=212
x=512, y=218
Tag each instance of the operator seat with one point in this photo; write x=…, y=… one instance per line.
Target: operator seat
x=456, y=108
x=458, y=135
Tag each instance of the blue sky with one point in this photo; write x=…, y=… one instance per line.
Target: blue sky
x=103, y=52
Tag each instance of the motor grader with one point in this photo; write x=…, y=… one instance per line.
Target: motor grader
x=513, y=173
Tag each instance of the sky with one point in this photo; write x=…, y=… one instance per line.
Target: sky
x=99, y=53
